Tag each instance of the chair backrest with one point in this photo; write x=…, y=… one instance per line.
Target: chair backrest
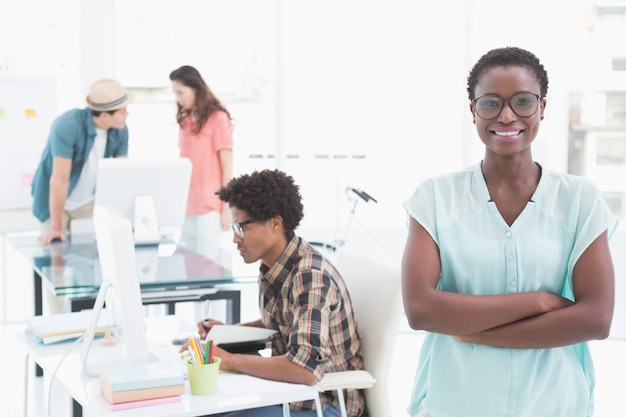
x=375, y=292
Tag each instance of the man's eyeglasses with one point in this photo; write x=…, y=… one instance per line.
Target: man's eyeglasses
x=490, y=106
x=237, y=228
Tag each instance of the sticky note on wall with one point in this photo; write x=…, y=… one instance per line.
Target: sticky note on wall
x=1, y=113
x=30, y=113
x=27, y=178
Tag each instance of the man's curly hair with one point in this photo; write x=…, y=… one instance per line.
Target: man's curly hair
x=509, y=56
x=266, y=194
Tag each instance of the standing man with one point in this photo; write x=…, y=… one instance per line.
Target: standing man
x=301, y=294
x=64, y=184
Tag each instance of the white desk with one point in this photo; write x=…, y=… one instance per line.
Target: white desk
x=235, y=391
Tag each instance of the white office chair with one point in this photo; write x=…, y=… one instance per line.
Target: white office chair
x=375, y=292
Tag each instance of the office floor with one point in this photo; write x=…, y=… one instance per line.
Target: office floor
x=16, y=304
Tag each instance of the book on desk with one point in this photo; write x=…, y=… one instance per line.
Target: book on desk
x=118, y=397
x=143, y=403
x=135, y=385
x=66, y=327
x=141, y=375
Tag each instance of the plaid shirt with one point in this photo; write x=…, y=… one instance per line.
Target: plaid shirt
x=305, y=299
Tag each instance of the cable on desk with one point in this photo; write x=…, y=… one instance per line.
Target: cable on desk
x=26, y=378
x=53, y=377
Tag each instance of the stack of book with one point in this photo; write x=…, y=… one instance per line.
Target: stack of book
x=67, y=326
x=141, y=385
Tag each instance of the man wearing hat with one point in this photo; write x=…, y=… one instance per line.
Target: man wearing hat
x=64, y=184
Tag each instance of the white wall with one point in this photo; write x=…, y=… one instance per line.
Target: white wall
x=377, y=87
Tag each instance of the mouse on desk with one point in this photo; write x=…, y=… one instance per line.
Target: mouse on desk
x=180, y=341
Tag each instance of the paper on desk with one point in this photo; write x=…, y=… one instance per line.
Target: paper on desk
x=238, y=334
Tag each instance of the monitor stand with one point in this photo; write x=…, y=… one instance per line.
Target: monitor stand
x=112, y=350
x=145, y=224
x=93, y=363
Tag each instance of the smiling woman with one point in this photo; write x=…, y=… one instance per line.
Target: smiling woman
x=507, y=254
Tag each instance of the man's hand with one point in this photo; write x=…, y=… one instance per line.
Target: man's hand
x=223, y=355
x=52, y=236
x=203, y=329
x=205, y=325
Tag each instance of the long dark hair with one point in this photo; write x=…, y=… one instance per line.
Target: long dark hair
x=206, y=102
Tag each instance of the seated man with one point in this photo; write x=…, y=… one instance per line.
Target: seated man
x=301, y=295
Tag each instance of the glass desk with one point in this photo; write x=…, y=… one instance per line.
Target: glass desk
x=168, y=273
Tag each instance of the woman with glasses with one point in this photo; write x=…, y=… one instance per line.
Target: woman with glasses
x=205, y=137
x=507, y=265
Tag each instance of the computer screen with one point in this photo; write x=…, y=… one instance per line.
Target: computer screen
x=152, y=194
x=122, y=294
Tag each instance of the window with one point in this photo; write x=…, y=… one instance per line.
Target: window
x=611, y=150
x=616, y=108
x=616, y=203
x=619, y=63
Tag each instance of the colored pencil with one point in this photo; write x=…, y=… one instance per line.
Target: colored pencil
x=210, y=351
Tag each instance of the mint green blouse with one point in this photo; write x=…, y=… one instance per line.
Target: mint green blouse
x=481, y=254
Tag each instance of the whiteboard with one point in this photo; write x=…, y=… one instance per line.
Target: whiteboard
x=28, y=105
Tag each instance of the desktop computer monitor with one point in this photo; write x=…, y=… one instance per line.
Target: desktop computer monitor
x=152, y=194
x=122, y=294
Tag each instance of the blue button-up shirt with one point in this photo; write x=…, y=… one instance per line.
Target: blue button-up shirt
x=71, y=136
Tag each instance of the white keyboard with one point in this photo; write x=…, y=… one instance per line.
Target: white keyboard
x=170, y=353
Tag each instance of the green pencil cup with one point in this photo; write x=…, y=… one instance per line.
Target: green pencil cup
x=203, y=378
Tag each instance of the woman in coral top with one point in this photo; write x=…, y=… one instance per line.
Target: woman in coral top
x=206, y=139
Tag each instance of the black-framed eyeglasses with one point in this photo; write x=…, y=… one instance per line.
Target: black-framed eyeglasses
x=237, y=228
x=490, y=106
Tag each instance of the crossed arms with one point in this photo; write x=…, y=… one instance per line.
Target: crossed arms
x=535, y=319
